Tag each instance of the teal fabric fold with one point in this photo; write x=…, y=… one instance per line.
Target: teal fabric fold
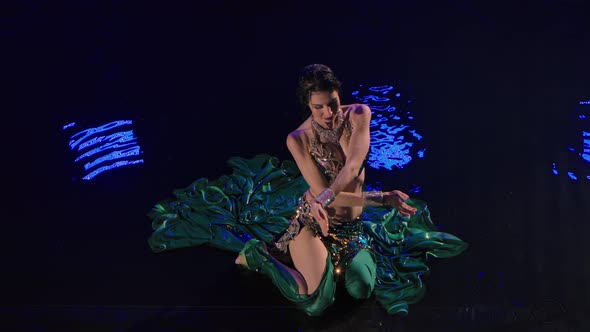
x=401, y=246
x=256, y=201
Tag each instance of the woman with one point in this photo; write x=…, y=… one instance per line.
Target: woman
x=321, y=231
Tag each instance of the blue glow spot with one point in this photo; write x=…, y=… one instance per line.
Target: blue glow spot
x=517, y=303
x=107, y=145
x=588, y=177
x=501, y=284
x=415, y=189
x=372, y=187
x=480, y=274
x=382, y=88
x=354, y=93
x=583, y=151
x=392, y=137
x=415, y=134
x=369, y=98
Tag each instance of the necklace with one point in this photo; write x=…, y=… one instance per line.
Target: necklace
x=329, y=135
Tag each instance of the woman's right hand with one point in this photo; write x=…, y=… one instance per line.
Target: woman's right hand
x=321, y=216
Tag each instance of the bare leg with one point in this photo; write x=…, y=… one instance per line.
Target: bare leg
x=309, y=257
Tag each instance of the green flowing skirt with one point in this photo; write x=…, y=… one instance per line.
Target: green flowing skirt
x=257, y=200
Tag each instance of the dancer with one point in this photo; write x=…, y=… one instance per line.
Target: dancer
x=314, y=212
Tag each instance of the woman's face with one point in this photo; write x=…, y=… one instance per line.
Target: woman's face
x=324, y=105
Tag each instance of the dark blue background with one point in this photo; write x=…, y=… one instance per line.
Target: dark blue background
x=495, y=86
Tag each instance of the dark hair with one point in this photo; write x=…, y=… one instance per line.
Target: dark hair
x=316, y=77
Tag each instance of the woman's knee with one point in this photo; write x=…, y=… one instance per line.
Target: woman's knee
x=321, y=302
x=323, y=297
x=360, y=276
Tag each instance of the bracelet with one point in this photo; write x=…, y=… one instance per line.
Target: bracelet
x=325, y=197
x=373, y=196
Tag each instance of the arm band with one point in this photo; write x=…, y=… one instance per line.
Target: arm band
x=325, y=197
x=373, y=196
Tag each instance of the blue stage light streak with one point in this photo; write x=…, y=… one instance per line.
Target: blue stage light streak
x=107, y=145
x=68, y=125
x=91, y=131
x=123, y=136
x=102, y=148
x=115, y=165
x=133, y=151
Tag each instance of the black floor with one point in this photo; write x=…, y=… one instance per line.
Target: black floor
x=496, y=91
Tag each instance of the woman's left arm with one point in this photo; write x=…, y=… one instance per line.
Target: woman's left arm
x=395, y=198
x=360, y=118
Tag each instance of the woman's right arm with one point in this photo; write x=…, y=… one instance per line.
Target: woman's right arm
x=312, y=175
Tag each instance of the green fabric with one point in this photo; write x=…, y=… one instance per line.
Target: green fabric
x=255, y=203
x=401, y=248
x=359, y=278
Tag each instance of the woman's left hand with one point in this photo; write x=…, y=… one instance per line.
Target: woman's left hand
x=397, y=200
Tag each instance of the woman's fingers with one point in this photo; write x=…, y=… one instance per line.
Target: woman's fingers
x=323, y=221
x=405, y=209
x=324, y=226
x=402, y=195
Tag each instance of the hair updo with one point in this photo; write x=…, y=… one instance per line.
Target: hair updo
x=314, y=78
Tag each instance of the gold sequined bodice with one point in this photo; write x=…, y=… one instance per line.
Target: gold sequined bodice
x=329, y=157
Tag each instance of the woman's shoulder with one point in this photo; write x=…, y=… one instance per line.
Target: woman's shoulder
x=300, y=134
x=356, y=109
x=356, y=112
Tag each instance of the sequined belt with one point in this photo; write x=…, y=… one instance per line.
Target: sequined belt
x=345, y=238
x=301, y=218
x=344, y=241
